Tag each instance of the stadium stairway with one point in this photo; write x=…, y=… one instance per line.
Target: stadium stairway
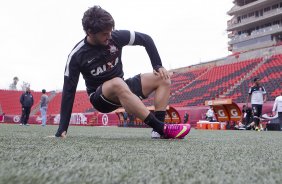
x=269, y=72
x=212, y=84
x=247, y=76
x=36, y=109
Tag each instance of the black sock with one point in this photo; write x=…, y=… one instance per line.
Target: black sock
x=160, y=115
x=156, y=124
x=256, y=121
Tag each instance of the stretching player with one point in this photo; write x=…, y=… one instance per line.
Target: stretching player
x=98, y=58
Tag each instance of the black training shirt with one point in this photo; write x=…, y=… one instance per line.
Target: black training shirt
x=98, y=64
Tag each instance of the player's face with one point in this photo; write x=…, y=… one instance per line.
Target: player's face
x=101, y=38
x=257, y=82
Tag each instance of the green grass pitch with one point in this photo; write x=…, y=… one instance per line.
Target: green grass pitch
x=113, y=155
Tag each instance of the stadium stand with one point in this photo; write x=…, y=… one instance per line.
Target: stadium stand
x=270, y=73
x=10, y=101
x=255, y=33
x=190, y=87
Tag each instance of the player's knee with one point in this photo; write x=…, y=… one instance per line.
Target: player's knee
x=166, y=82
x=118, y=84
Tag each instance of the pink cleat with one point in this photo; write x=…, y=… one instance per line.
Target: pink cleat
x=176, y=131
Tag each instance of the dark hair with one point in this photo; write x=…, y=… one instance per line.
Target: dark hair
x=96, y=19
x=256, y=79
x=43, y=91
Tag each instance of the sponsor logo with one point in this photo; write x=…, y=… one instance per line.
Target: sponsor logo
x=16, y=119
x=76, y=119
x=173, y=114
x=105, y=119
x=234, y=112
x=89, y=61
x=101, y=69
x=221, y=113
x=182, y=131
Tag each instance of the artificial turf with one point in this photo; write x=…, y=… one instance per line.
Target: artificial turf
x=128, y=155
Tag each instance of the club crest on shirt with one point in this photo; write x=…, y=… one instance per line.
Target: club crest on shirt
x=110, y=60
x=113, y=49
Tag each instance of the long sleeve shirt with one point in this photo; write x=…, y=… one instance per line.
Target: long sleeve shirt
x=26, y=100
x=98, y=64
x=277, y=106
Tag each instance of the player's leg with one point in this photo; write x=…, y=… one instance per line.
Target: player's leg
x=161, y=88
x=43, y=115
x=22, y=116
x=118, y=92
x=259, y=109
x=256, y=116
x=280, y=119
x=27, y=115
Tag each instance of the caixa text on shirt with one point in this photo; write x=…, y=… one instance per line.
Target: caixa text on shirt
x=104, y=67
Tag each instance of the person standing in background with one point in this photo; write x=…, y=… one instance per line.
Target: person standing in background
x=43, y=107
x=210, y=114
x=277, y=108
x=258, y=96
x=26, y=101
x=186, y=117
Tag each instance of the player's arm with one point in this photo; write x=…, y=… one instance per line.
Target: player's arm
x=274, y=107
x=141, y=39
x=22, y=99
x=147, y=42
x=71, y=78
x=248, y=96
x=32, y=101
x=264, y=95
x=247, y=100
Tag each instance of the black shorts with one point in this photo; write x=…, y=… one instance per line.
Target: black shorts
x=104, y=105
x=257, y=110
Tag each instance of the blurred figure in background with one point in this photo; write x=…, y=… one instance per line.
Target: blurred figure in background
x=258, y=96
x=186, y=117
x=26, y=101
x=43, y=107
x=13, y=86
x=210, y=114
x=277, y=108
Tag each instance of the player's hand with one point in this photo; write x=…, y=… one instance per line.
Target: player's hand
x=162, y=72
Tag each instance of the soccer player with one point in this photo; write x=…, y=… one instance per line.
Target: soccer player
x=26, y=101
x=43, y=107
x=277, y=108
x=98, y=58
x=258, y=96
x=210, y=114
